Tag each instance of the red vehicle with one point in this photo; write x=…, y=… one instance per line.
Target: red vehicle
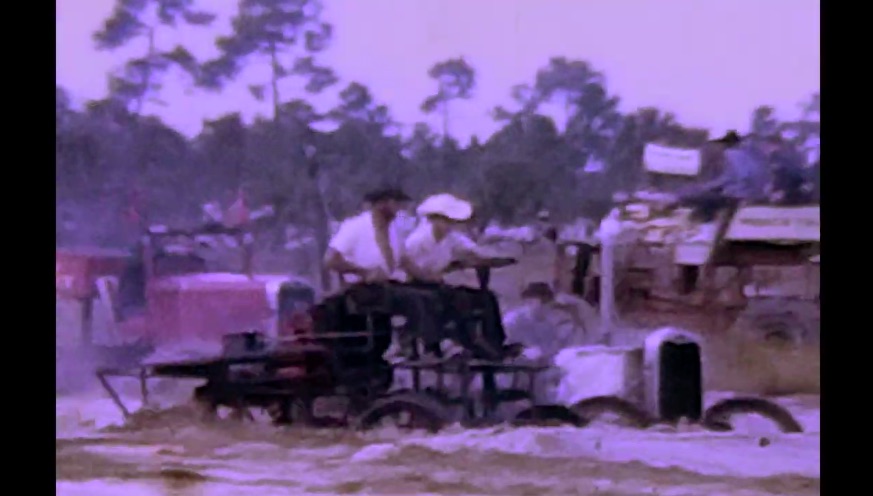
x=76, y=273
x=166, y=294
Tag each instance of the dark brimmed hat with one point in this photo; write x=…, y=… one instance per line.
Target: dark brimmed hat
x=730, y=138
x=537, y=290
x=383, y=194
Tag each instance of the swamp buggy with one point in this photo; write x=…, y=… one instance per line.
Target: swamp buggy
x=749, y=268
x=337, y=349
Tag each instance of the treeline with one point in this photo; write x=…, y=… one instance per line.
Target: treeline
x=117, y=163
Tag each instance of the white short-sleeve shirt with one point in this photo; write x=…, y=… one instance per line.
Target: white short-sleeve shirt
x=355, y=240
x=429, y=254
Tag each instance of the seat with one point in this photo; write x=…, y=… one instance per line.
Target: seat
x=368, y=299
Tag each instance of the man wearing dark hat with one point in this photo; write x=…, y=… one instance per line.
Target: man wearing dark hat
x=369, y=246
x=746, y=177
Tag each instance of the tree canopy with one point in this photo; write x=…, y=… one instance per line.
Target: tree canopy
x=111, y=152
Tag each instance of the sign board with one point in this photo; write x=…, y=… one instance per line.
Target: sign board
x=792, y=224
x=673, y=161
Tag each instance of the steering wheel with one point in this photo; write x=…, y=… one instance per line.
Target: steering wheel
x=482, y=267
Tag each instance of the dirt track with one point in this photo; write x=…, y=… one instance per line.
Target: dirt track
x=169, y=453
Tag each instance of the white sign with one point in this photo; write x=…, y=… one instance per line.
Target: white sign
x=797, y=224
x=673, y=161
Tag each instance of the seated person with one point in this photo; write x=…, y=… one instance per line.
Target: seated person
x=547, y=323
x=368, y=247
x=438, y=241
x=435, y=243
x=745, y=178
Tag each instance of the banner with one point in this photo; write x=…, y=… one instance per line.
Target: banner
x=673, y=161
x=796, y=224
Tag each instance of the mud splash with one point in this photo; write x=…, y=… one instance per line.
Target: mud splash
x=169, y=452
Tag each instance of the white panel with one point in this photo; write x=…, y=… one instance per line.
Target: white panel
x=776, y=224
x=590, y=371
x=673, y=161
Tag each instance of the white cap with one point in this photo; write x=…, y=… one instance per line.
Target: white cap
x=447, y=206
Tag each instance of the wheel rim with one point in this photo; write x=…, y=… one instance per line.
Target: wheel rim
x=779, y=332
x=548, y=416
x=613, y=410
x=404, y=419
x=402, y=416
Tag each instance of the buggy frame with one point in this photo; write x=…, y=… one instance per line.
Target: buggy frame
x=300, y=369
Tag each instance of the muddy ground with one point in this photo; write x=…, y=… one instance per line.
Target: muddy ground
x=169, y=452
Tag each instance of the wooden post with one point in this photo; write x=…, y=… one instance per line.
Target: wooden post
x=248, y=254
x=609, y=231
x=87, y=319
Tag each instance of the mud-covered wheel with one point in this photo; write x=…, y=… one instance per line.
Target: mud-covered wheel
x=718, y=417
x=242, y=413
x=626, y=413
x=205, y=404
x=235, y=413
x=299, y=411
x=547, y=416
x=780, y=330
x=407, y=411
x=779, y=321
x=281, y=412
x=212, y=412
x=210, y=409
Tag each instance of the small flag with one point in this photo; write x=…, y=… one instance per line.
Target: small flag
x=133, y=213
x=237, y=215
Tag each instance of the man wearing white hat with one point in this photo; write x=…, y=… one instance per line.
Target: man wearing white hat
x=429, y=250
x=438, y=240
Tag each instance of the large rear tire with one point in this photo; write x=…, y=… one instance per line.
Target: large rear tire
x=548, y=416
x=780, y=322
x=209, y=407
x=717, y=417
x=407, y=411
x=629, y=414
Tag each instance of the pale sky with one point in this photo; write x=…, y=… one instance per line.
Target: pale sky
x=709, y=61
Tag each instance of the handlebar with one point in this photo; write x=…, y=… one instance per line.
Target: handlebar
x=482, y=267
